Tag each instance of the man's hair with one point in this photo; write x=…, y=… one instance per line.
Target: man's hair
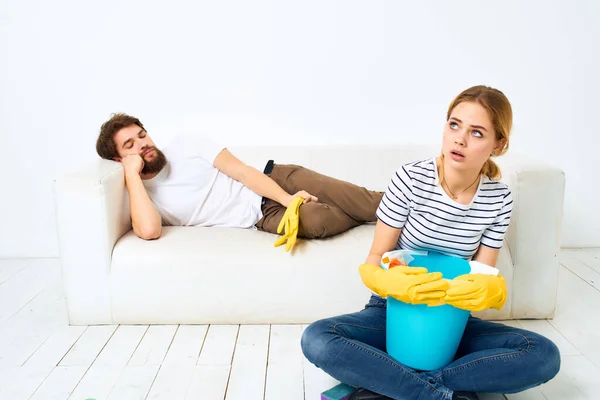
x=105, y=145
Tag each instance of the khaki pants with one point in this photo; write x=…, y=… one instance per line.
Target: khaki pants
x=341, y=205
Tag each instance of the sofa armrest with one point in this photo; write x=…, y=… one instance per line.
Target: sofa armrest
x=92, y=213
x=533, y=237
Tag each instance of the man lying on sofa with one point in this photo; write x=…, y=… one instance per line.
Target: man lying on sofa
x=195, y=182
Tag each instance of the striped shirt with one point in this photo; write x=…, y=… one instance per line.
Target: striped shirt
x=430, y=220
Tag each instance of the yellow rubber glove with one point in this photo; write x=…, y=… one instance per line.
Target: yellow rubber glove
x=290, y=221
x=476, y=292
x=412, y=285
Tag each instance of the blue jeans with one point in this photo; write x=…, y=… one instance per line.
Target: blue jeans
x=491, y=358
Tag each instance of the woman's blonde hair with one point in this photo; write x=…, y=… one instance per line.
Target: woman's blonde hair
x=499, y=111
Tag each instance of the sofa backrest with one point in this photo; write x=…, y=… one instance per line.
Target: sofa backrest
x=368, y=166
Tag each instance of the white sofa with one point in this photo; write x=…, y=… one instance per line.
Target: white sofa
x=216, y=275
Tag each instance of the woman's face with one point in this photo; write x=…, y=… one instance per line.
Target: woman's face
x=469, y=137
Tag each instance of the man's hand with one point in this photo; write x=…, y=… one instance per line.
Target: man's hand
x=145, y=219
x=305, y=196
x=290, y=222
x=133, y=164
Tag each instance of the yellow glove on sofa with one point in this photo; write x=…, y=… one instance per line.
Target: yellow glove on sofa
x=477, y=292
x=412, y=285
x=290, y=221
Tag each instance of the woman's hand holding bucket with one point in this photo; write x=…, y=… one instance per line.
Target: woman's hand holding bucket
x=476, y=292
x=413, y=285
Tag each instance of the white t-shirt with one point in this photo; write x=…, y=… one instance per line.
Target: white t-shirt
x=190, y=191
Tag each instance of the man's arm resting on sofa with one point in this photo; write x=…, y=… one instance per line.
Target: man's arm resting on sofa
x=145, y=219
x=255, y=180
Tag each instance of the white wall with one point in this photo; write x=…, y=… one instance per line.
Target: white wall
x=264, y=71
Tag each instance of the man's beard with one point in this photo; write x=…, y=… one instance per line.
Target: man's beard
x=156, y=164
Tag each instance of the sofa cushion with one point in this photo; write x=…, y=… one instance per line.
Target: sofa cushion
x=222, y=275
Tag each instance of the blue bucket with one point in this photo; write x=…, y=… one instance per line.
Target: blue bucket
x=422, y=337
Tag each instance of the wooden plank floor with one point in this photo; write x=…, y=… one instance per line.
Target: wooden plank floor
x=41, y=357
